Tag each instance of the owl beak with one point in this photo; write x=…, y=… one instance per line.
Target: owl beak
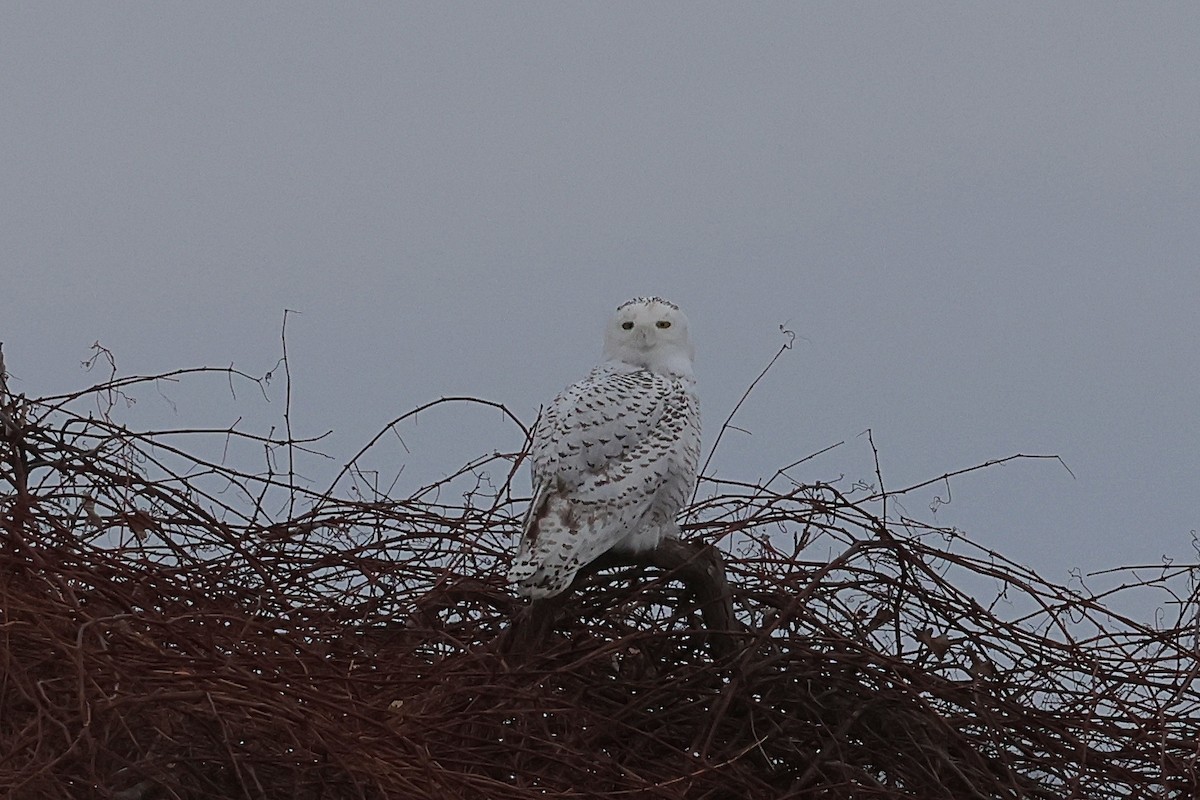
x=643, y=339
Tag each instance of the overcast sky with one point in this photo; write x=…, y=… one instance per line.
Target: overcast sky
x=982, y=221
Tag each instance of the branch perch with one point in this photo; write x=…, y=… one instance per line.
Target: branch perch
x=698, y=566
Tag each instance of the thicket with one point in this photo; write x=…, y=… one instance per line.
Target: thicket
x=176, y=625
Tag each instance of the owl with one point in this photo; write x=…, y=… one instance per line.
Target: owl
x=614, y=455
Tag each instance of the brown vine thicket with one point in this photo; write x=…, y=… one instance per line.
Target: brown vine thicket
x=178, y=626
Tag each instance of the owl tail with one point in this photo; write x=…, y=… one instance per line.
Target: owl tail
x=556, y=544
x=540, y=580
x=547, y=559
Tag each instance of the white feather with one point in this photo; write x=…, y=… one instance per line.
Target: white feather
x=615, y=455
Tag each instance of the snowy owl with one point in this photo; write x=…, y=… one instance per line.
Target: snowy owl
x=615, y=455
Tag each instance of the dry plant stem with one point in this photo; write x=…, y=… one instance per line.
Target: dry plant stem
x=179, y=621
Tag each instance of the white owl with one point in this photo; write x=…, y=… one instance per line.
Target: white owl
x=615, y=455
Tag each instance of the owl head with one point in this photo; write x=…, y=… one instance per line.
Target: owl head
x=650, y=333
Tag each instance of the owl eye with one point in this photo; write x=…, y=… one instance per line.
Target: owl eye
x=627, y=325
x=662, y=323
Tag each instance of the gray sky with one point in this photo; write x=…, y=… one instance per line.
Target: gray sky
x=981, y=221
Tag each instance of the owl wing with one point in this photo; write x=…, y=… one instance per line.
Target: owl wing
x=601, y=453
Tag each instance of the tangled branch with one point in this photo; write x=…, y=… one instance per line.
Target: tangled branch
x=175, y=625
